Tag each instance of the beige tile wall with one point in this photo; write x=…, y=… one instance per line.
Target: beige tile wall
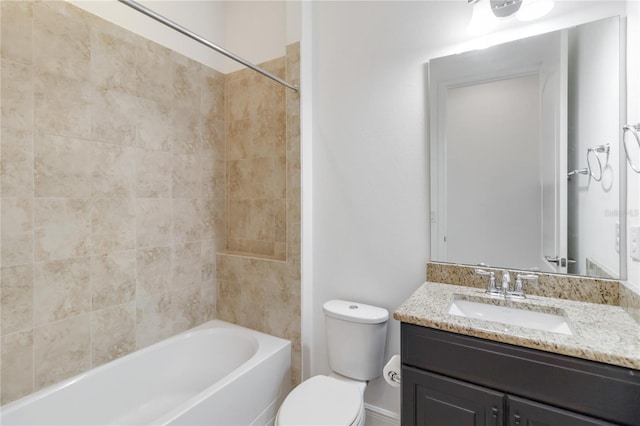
x=112, y=192
x=260, y=291
x=256, y=162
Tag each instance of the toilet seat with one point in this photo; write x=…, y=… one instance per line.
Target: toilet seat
x=322, y=400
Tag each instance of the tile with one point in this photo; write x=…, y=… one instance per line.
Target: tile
x=280, y=220
x=113, y=333
x=268, y=177
x=239, y=219
x=113, y=279
x=238, y=98
x=153, y=222
x=238, y=139
x=113, y=225
x=16, y=292
x=262, y=220
x=62, y=105
x=62, y=167
x=17, y=365
x=187, y=176
x=61, y=350
x=153, y=75
x=114, y=173
x=17, y=95
x=239, y=180
x=208, y=260
x=213, y=177
x=187, y=265
x=61, y=290
x=214, y=219
x=61, y=43
x=186, y=81
x=213, y=94
x=16, y=163
x=62, y=228
x=153, y=125
x=154, y=174
x=186, y=309
x=187, y=220
x=153, y=319
x=186, y=131
x=114, y=117
x=16, y=223
x=208, y=300
x=153, y=271
x=113, y=58
x=264, y=248
x=16, y=28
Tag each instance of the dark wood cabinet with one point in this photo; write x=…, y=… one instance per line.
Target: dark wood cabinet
x=442, y=401
x=454, y=380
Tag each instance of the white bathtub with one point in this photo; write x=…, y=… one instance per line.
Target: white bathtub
x=215, y=374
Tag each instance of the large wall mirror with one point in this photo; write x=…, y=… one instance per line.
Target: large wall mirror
x=525, y=167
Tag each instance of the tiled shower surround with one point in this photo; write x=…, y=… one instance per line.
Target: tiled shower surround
x=113, y=194
x=262, y=291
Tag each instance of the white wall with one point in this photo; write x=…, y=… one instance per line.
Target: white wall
x=368, y=196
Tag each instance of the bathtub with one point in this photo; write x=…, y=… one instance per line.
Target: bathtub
x=215, y=374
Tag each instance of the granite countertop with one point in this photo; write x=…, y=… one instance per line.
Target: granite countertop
x=602, y=333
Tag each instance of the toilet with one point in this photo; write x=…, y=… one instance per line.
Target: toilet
x=356, y=337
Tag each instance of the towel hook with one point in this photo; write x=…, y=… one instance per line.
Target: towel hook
x=633, y=129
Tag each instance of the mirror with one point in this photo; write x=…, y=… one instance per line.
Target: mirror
x=524, y=143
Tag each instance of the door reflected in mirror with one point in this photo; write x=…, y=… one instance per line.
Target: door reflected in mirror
x=524, y=137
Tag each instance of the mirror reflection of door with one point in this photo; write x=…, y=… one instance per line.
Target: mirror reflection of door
x=505, y=150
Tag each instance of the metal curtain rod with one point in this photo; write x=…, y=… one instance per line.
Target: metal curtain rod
x=169, y=23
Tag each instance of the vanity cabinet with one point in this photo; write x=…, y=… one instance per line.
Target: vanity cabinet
x=454, y=380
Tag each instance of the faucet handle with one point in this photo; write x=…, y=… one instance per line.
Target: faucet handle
x=491, y=287
x=518, y=286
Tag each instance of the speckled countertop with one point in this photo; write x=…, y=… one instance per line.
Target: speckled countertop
x=601, y=332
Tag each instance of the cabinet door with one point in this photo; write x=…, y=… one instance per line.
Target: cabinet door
x=523, y=412
x=433, y=400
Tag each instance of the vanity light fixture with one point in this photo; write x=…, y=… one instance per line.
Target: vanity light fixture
x=486, y=14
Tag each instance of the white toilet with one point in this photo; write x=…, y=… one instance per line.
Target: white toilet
x=356, y=336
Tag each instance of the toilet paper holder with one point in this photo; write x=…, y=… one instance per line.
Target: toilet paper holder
x=394, y=376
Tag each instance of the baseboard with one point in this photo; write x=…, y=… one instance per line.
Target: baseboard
x=377, y=416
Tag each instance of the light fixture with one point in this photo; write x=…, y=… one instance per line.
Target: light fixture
x=534, y=9
x=482, y=20
x=486, y=14
x=505, y=8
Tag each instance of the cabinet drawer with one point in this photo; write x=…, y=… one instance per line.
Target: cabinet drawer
x=590, y=388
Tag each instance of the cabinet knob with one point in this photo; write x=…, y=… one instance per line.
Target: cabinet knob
x=516, y=418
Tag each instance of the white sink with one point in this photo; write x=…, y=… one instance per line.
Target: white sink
x=512, y=316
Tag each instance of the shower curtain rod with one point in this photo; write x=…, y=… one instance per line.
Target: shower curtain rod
x=150, y=13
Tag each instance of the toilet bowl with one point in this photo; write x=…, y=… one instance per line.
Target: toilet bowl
x=356, y=336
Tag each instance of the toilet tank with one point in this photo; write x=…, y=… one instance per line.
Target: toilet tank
x=356, y=337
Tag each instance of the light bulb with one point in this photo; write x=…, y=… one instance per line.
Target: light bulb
x=534, y=9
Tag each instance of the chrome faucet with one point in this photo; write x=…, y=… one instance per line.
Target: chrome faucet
x=506, y=290
x=506, y=283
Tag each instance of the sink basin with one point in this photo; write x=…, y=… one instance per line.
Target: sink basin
x=513, y=316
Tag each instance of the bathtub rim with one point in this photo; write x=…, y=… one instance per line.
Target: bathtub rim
x=267, y=346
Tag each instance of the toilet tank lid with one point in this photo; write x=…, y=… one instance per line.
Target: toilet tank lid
x=355, y=312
